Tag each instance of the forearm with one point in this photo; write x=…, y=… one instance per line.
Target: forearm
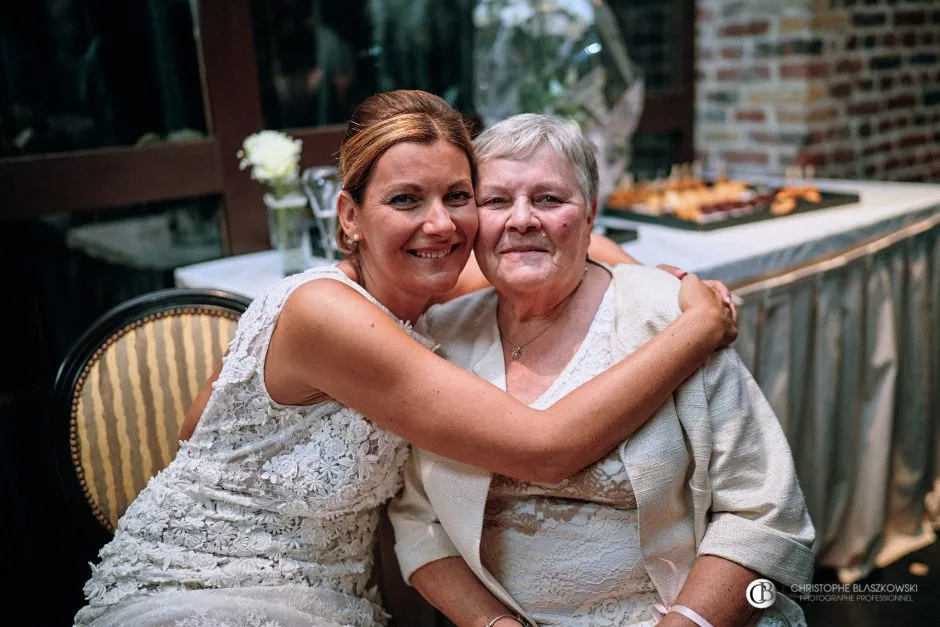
x=607, y=250
x=449, y=585
x=716, y=590
x=194, y=413
x=624, y=397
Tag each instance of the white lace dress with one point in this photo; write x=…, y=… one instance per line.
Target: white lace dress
x=266, y=517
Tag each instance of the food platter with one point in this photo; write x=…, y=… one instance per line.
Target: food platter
x=689, y=202
x=617, y=233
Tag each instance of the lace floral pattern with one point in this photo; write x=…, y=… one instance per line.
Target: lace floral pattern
x=263, y=495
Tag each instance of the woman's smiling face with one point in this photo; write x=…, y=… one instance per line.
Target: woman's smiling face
x=535, y=225
x=417, y=219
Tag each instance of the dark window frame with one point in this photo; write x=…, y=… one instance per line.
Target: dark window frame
x=115, y=177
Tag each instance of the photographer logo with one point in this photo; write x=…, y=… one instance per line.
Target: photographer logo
x=761, y=593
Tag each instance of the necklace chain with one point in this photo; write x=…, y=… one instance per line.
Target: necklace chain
x=517, y=348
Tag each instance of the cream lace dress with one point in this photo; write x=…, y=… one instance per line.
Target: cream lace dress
x=267, y=515
x=570, y=553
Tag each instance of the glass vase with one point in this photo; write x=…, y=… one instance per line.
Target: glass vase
x=322, y=185
x=288, y=222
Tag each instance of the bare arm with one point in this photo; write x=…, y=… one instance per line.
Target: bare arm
x=449, y=585
x=332, y=340
x=471, y=279
x=715, y=590
x=607, y=250
x=198, y=406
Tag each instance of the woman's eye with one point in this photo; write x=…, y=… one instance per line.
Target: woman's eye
x=548, y=198
x=458, y=197
x=402, y=200
x=492, y=202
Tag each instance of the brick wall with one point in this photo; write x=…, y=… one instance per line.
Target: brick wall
x=852, y=86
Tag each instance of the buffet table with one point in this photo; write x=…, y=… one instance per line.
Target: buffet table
x=840, y=325
x=751, y=250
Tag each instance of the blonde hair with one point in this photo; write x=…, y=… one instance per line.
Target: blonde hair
x=384, y=120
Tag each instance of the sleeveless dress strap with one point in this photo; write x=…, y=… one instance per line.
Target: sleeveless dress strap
x=248, y=348
x=406, y=326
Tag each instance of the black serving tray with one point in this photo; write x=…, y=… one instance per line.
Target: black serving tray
x=829, y=200
x=620, y=235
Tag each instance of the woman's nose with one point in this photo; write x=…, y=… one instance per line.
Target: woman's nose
x=438, y=220
x=522, y=218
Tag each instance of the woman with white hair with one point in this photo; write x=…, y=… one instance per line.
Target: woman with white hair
x=669, y=527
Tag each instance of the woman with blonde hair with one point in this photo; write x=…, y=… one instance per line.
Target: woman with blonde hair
x=267, y=515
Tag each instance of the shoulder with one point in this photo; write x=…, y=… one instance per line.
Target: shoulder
x=269, y=307
x=275, y=296
x=452, y=320
x=327, y=299
x=325, y=307
x=645, y=292
x=646, y=280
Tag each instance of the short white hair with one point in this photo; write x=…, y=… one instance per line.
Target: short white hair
x=516, y=138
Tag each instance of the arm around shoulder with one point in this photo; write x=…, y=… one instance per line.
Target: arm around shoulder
x=329, y=339
x=332, y=340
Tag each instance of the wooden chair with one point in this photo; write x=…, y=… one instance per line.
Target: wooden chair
x=122, y=392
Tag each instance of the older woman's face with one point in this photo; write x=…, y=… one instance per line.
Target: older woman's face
x=535, y=225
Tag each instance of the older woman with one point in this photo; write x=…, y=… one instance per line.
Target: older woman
x=678, y=519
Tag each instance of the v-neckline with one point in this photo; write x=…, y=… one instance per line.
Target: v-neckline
x=575, y=359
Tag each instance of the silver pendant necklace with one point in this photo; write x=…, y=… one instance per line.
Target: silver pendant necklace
x=517, y=348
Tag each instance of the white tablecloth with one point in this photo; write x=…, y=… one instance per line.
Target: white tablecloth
x=847, y=351
x=247, y=275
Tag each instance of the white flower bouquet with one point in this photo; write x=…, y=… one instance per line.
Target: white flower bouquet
x=274, y=160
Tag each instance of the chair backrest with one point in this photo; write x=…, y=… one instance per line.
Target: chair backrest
x=122, y=392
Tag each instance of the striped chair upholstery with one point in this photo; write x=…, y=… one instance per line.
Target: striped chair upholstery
x=127, y=385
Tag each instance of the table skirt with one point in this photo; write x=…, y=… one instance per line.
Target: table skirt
x=847, y=351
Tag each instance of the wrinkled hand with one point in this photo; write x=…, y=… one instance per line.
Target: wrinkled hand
x=696, y=295
x=718, y=287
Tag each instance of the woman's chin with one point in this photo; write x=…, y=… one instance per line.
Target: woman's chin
x=438, y=277
x=524, y=278
x=436, y=283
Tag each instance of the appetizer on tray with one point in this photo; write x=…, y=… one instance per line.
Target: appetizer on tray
x=686, y=195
